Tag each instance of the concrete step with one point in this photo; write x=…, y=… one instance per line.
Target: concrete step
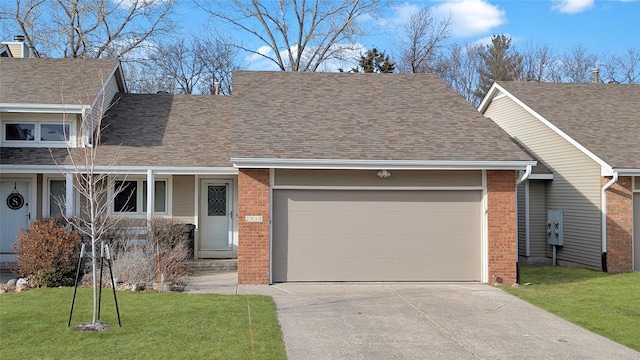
x=213, y=265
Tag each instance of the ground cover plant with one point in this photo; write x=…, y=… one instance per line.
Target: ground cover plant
x=608, y=305
x=155, y=325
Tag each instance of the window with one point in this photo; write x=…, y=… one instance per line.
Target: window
x=132, y=198
x=36, y=133
x=57, y=195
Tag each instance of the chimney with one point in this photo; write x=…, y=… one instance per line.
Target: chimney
x=18, y=38
x=216, y=88
x=596, y=74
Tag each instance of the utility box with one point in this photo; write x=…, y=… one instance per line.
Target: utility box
x=555, y=227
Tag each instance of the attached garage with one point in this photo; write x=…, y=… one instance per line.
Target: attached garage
x=376, y=235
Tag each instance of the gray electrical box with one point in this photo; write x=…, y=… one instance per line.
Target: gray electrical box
x=555, y=227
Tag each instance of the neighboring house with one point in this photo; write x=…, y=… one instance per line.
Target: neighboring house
x=587, y=135
x=301, y=176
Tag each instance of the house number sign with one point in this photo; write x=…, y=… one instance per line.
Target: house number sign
x=15, y=201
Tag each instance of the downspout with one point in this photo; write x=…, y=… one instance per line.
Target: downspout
x=604, y=219
x=522, y=179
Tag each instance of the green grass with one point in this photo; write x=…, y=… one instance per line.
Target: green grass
x=33, y=325
x=608, y=305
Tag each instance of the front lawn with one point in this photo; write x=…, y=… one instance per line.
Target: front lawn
x=33, y=325
x=608, y=305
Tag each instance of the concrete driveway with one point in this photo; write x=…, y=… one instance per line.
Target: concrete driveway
x=421, y=321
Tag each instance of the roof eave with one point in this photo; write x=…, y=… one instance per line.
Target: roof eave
x=43, y=108
x=271, y=163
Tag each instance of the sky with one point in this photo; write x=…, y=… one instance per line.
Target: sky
x=604, y=27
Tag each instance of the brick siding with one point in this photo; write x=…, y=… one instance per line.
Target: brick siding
x=619, y=225
x=253, y=237
x=502, y=226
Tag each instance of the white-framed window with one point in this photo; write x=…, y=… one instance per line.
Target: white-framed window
x=132, y=198
x=38, y=133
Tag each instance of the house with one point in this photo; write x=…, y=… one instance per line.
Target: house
x=301, y=176
x=586, y=134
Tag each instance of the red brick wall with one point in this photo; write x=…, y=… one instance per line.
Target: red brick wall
x=501, y=203
x=253, y=237
x=619, y=225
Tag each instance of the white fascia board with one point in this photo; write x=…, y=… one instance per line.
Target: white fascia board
x=43, y=108
x=266, y=163
x=495, y=87
x=541, y=177
x=622, y=172
x=133, y=170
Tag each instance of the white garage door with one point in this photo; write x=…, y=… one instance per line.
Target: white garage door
x=327, y=235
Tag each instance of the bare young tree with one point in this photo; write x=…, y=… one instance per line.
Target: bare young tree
x=89, y=28
x=300, y=34
x=93, y=180
x=424, y=36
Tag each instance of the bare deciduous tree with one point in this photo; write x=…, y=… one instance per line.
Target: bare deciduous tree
x=89, y=28
x=577, y=65
x=300, y=34
x=461, y=72
x=538, y=62
x=424, y=37
x=94, y=182
x=624, y=69
x=180, y=62
x=219, y=58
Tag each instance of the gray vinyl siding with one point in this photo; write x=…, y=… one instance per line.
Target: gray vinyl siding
x=537, y=219
x=576, y=184
x=102, y=104
x=369, y=178
x=522, y=225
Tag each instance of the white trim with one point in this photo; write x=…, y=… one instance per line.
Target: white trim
x=606, y=168
x=358, y=187
x=131, y=170
x=263, y=163
x=484, y=247
x=527, y=223
x=541, y=177
x=624, y=172
x=43, y=108
x=196, y=217
x=272, y=181
x=140, y=213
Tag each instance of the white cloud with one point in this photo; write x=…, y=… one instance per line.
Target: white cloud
x=571, y=6
x=471, y=17
x=255, y=61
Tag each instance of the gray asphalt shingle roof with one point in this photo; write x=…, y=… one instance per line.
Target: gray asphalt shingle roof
x=604, y=118
x=360, y=116
x=53, y=81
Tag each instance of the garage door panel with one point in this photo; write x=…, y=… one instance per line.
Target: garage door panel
x=321, y=235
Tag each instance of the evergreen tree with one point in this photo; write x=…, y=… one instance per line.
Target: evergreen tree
x=498, y=63
x=374, y=62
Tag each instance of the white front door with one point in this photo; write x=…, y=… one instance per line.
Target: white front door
x=14, y=215
x=216, y=220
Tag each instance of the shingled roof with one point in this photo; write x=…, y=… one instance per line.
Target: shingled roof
x=604, y=118
x=53, y=81
x=360, y=117
x=153, y=130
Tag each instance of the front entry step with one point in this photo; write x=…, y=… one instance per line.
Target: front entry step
x=214, y=265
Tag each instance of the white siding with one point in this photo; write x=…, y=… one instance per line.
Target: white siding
x=576, y=184
x=102, y=104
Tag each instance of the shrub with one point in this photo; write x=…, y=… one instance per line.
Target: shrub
x=46, y=251
x=159, y=257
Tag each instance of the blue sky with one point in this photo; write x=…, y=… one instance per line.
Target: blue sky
x=604, y=27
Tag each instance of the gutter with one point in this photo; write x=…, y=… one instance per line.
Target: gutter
x=604, y=219
x=525, y=176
